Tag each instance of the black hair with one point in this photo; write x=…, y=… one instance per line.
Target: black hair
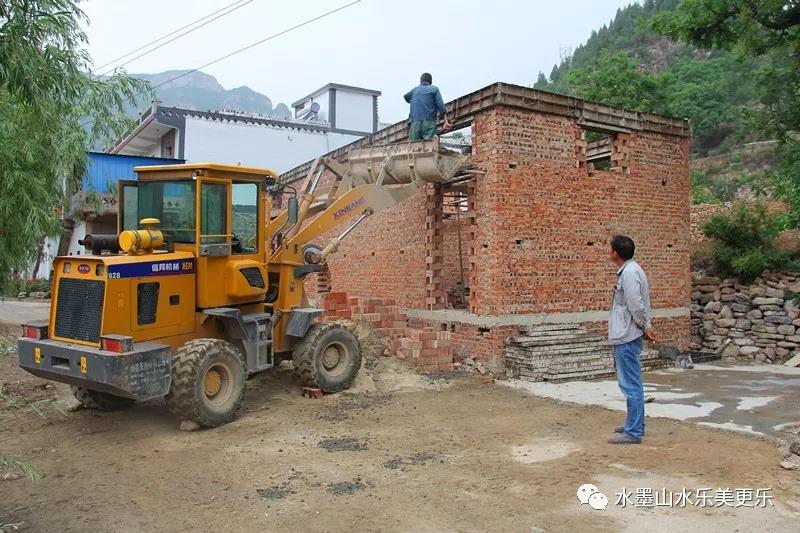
x=623, y=246
x=426, y=78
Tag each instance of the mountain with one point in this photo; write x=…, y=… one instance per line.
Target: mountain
x=202, y=92
x=626, y=62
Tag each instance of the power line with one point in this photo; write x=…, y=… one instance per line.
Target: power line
x=249, y=46
x=233, y=4
x=262, y=41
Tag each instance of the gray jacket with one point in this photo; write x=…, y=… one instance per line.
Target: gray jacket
x=630, y=309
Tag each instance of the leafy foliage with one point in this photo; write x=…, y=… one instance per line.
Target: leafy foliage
x=767, y=31
x=744, y=241
x=51, y=109
x=701, y=189
x=616, y=79
x=633, y=66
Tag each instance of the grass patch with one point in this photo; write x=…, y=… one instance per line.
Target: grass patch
x=41, y=406
x=7, y=347
x=27, y=469
x=10, y=524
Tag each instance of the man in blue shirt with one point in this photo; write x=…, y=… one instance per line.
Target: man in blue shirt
x=426, y=102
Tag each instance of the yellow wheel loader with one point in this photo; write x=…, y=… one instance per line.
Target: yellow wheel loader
x=201, y=287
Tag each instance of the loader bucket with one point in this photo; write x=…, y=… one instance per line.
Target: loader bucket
x=404, y=162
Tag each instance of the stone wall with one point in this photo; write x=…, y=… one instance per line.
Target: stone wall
x=757, y=321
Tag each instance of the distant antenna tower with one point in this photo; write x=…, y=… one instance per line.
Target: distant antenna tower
x=564, y=53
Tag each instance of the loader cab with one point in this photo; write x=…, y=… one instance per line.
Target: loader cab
x=216, y=212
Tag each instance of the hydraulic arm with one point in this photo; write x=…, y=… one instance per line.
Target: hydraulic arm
x=372, y=179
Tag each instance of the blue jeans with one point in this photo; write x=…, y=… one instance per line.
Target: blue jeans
x=629, y=377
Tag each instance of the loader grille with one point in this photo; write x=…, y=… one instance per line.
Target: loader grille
x=147, y=303
x=79, y=310
x=253, y=277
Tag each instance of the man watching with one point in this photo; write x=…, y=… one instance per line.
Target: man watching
x=426, y=102
x=628, y=324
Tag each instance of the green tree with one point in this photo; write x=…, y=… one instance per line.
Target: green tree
x=713, y=95
x=770, y=31
x=713, y=88
x=616, y=79
x=51, y=110
x=744, y=241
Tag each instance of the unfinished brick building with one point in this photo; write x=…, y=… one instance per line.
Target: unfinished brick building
x=528, y=231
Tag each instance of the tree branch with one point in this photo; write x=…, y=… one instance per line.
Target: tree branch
x=786, y=19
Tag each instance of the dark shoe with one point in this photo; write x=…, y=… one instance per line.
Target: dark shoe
x=624, y=438
x=620, y=429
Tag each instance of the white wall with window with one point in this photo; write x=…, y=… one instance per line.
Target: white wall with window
x=276, y=148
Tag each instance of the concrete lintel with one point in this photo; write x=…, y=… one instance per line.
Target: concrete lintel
x=465, y=317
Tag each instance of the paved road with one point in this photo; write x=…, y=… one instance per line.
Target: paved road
x=19, y=311
x=758, y=399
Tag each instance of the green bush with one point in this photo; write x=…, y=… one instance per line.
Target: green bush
x=701, y=189
x=744, y=241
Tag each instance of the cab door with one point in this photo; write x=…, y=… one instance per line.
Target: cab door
x=213, y=241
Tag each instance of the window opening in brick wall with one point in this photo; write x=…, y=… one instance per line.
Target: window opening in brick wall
x=598, y=150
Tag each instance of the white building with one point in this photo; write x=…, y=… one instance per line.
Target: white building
x=325, y=120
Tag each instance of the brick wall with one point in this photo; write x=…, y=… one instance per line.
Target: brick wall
x=536, y=237
x=470, y=340
x=543, y=222
x=384, y=257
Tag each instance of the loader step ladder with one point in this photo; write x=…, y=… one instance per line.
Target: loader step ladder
x=254, y=330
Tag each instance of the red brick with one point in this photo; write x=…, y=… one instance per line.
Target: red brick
x=536, y=190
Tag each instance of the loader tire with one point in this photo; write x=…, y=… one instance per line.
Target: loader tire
x=102, y=401
x=328, y=358
x=208, y=381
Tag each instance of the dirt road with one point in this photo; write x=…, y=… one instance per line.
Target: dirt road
x=407, y=453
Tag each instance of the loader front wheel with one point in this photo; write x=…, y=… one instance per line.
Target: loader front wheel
x=208, y=381
x=102, y=401
x=328, y=358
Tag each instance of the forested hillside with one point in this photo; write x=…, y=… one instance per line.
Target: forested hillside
x=628, y=63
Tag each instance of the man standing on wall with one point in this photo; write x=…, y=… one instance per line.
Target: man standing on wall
x=628, y=326
x=426, y=102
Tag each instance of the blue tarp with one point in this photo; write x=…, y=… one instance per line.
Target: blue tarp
x=103, y=169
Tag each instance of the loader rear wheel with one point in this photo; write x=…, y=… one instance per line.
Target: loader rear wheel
x=208, y=380
x=102, y=401
x=328, y=358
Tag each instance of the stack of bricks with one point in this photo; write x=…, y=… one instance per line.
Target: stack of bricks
x=427, y=349
x=337, y=306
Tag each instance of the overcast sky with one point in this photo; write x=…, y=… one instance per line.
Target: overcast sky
x=377, y=44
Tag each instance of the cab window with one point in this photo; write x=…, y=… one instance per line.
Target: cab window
x=213, y=201
x=245, y=218
x=172, y=203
